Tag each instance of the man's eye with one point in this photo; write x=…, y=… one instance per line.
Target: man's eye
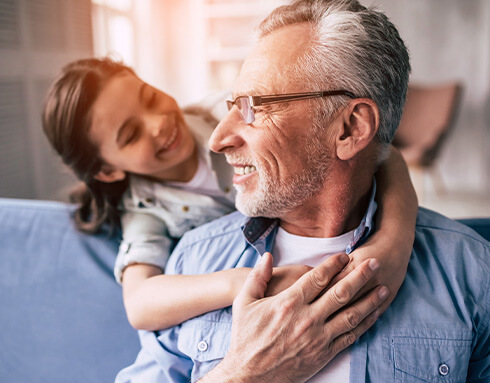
x=261, y=109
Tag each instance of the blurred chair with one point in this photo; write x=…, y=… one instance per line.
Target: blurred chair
x=428, y=117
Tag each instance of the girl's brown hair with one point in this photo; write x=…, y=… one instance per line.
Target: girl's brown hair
x=66, y=122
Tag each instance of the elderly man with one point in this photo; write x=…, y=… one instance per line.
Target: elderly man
x=315, y=107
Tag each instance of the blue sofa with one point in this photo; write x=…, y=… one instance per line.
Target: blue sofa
x=62, y=317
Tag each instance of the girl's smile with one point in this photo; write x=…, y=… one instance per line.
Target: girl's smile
x=141, y=130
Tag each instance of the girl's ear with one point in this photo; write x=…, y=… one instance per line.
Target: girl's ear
x=109, y=174
x=360, y=124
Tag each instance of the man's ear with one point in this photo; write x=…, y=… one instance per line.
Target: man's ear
x=360, y=124
x=109, y=174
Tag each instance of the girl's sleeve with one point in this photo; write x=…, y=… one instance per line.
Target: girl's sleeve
x=145, y=240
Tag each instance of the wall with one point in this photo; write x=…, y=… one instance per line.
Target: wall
x=450, y=39
x=37, y=37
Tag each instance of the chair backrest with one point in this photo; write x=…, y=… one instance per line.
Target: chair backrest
x=428, y=116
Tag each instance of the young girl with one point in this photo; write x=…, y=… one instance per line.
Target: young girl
x=145, y=163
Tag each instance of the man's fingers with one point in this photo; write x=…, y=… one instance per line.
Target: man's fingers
x=358, y=317
x=346, y=339
x=347, y=269
x=255, y=285
x=344, y=290
x=314, y=282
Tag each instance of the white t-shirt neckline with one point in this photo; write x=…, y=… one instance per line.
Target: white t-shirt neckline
x=294, y=249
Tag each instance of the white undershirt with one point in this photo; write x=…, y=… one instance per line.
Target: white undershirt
x=293, y=249
x=203, y=182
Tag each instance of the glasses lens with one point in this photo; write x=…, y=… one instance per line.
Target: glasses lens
x=229, y=104
x=247, y=111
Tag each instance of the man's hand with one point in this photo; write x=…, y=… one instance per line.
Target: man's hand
x=285, y=276
x=289, y=337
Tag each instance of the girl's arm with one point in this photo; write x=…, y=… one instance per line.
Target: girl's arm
x=392, y=242
x=155, y=301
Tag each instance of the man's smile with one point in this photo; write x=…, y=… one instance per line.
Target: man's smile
x=241, y=170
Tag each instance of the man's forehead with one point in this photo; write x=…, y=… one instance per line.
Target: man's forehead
x=266, y=67
x=254, y=78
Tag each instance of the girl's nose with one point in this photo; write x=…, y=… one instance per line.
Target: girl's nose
x=156, y=124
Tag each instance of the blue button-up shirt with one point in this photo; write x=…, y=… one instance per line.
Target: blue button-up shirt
x=436, y=330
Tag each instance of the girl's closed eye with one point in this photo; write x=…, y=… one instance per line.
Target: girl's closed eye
x=131, y=135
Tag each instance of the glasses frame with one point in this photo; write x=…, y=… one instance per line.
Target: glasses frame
x=268, y=99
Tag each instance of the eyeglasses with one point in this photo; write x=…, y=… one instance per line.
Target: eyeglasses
x=246, y=104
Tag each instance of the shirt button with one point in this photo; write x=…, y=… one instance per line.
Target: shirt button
x=149, y=200
x=202, y=345
x=185, y=208
x=443, y=369
x=226, y=189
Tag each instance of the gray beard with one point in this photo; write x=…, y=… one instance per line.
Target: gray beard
x=274, y=200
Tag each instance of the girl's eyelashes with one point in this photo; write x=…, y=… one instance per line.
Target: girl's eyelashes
x=131, y=135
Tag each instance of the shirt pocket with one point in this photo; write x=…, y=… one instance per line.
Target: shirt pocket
x=420, y=359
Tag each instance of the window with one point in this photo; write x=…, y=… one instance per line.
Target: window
x=114, y=29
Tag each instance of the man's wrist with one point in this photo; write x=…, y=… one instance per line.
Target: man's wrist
x=223, y=373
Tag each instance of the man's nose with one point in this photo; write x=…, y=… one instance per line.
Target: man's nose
x=227, y=134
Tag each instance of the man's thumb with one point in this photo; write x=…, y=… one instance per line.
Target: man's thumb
x=255, y=285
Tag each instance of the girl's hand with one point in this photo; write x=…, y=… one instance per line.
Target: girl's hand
x=285, y=276
x=393, y=261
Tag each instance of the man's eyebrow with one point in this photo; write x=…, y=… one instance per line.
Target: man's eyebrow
x=255, y=91
x=126, y=123
x=241, y=93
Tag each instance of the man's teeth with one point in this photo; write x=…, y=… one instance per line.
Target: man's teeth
x=241, y=170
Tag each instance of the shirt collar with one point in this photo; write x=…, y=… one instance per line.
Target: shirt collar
x=260, y=232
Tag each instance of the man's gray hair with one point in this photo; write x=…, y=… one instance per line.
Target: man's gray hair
x=354, y=48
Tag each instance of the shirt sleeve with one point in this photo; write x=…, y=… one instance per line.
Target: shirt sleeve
x=145, y=240
x=159, y=360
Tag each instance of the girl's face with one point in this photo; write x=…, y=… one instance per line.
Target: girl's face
x=139, y=129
